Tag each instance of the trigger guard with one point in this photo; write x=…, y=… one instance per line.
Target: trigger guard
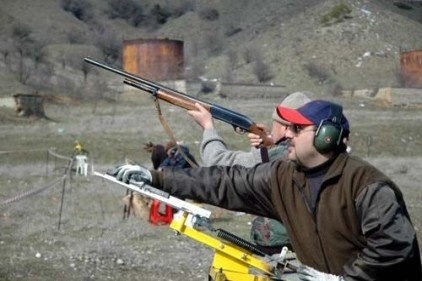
x=239, y=130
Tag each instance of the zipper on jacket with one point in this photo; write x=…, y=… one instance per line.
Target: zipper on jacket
x=321, y=246
x=313, y=213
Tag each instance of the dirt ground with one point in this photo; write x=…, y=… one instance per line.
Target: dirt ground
x=94, y=242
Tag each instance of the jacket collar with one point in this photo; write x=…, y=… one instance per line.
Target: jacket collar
x=335, y=169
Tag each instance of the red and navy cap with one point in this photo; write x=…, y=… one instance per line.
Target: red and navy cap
x=311, y=113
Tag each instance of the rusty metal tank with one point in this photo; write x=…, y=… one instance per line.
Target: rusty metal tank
x=154, y=59
x=411, y=68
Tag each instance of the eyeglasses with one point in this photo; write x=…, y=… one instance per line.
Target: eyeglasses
x=296, y=129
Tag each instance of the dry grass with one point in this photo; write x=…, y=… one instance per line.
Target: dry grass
x=94, y=243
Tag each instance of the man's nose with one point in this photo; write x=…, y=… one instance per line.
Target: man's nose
x=289, y=133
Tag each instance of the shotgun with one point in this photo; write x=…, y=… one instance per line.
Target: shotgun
x=241, y=123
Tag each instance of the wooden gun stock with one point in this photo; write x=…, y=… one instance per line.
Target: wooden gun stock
x=170, y=96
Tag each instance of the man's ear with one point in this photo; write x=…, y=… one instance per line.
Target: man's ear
x=345, y=140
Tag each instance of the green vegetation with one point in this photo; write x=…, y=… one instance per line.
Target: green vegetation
x=337, y=14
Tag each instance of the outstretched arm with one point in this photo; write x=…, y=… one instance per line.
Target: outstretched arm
x=213, y=149
x=234, y=188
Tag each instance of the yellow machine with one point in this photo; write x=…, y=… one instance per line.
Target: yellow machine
x=234, y=259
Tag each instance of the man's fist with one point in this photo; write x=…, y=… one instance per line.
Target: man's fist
x=125, y=173
x=307, y=273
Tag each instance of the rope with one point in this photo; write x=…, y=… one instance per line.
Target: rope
x=170, y=133
x=20, y=151
x=51, y=151
x=66, y=174
x=36, y=191
x=30, y=193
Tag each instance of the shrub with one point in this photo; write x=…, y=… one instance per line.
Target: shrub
x=337, y=14
x=337, y=90
x=262, y=71
x=76, y=37
x=110, y=44
x=230, y=65
x=317, y=72
x=400, y=78
x=179, y=8
x=159, y=14
x=6, y=50
x=136, y=14
x=127, y=10
x=30, y=51
x=213, y=43
x=250, y=54
x=210, y=14
x=80, y=9
x=208, y=86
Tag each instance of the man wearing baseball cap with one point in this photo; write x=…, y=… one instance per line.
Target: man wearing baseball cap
x=326, y=119
x=214, y=150
x=269, y=235
x=346, y=220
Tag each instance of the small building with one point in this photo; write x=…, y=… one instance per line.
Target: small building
x=28, y=105
x=154, y=59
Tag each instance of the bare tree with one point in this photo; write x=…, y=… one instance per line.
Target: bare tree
x=76, y=37
x=6, y=48
x=250, y=54
x=231, y=64
x=110, y=43
x=318, y=72
x=75, y=58
x=80, y=9
x=38, y=53
x=194, y=65
x=128, y=10
x=22, y=44
x=262, y=71
x=213, y=43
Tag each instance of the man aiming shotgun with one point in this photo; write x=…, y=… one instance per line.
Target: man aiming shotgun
x=346, y=219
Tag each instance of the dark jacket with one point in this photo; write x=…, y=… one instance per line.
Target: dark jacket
x=360, y=227
x=176, y=159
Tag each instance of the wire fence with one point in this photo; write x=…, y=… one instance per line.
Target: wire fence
x=63, y=179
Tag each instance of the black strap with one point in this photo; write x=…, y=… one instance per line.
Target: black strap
x=336, y=113
x=264, y=154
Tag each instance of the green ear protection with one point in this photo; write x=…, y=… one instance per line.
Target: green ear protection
x=329, y=132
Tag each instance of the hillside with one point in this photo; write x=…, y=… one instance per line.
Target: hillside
x=223, y=39
x=42, y=49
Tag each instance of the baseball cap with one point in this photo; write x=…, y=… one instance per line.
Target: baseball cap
x=312, y=113
x=293, y=100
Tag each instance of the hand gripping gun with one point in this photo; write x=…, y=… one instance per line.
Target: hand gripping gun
x=234, y=258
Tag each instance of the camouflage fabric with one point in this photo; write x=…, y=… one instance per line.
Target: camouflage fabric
x=268, y=233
